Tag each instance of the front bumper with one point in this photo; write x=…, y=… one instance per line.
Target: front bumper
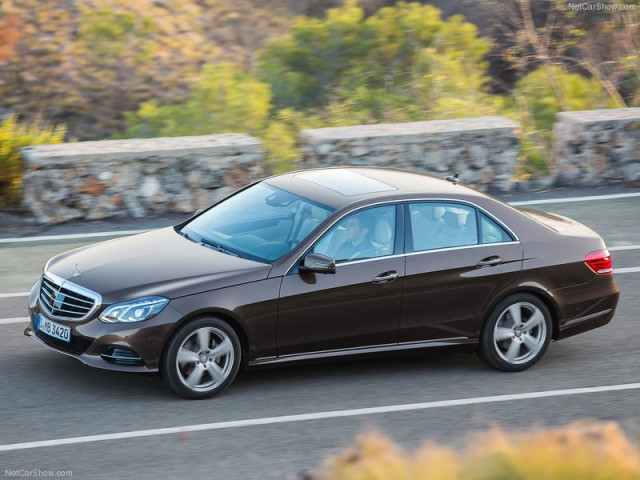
x=128, y=347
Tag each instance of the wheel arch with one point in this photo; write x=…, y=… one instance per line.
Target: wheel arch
x=223, y=315
x=537, y=291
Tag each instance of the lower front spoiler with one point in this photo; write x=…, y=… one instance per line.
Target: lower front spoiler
x=91, y=360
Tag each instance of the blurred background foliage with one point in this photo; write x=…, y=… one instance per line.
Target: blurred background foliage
x=14, y=136
x=116, y=68
x=582, y=449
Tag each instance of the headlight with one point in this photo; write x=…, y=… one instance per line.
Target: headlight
x=134, y=310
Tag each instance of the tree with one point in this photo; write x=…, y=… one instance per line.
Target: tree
x=401, y=63
x=302, y=66
x=596, y=39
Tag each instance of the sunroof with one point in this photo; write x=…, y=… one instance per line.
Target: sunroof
x=345, y=182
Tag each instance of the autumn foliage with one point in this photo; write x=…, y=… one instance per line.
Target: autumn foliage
x=10, y=33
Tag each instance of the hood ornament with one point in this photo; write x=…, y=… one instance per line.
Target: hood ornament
x=76, y=270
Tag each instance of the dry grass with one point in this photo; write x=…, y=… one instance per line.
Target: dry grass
x=581, y=450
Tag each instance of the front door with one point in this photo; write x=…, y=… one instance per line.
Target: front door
x=359, y=305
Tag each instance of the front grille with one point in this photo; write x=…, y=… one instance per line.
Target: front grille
x=62, y=300
x=76, y=346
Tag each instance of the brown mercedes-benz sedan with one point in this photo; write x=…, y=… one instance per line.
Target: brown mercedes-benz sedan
x=322, y=263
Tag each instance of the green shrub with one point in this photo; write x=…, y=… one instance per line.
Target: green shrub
x=14, y=136
x=225, y=100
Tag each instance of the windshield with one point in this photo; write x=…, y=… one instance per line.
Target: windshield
x=260, y=223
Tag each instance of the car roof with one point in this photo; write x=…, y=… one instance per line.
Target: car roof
x=338, y=187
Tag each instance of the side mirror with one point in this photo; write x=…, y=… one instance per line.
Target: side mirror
x=315, y=262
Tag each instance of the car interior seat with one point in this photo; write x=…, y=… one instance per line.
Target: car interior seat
x=382, y=235
x=452, y=231
x=426, y=222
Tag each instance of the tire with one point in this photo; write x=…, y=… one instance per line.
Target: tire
x=201, y=359
x=517, y=333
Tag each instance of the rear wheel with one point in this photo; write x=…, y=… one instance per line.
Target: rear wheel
x=202, y=358
x=516, y=334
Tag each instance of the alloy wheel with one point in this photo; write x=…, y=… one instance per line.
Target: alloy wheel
x=205, y=359
x=520, y=333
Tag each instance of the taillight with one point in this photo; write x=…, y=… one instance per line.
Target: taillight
x=599, y=262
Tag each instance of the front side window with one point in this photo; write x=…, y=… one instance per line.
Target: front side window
x=261, y=223
x=442, y=225
x=367, y=233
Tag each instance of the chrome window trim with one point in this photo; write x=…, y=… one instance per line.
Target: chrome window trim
x=63, y=283
x=370, y=259
x=409, y=201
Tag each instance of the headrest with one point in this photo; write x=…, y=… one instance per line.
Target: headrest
x=383, y=233
x=428, y=211
x=454, y=219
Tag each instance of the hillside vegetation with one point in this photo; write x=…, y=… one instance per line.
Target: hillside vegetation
x=143, y=68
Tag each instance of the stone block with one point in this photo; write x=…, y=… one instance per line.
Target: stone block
x=593, y=147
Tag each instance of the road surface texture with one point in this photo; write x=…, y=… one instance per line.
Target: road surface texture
x=276, y=423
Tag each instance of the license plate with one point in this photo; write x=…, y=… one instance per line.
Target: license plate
x=53, y=329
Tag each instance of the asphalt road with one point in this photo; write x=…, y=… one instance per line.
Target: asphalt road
x=45, y=396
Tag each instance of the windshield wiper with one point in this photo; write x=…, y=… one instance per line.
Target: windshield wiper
x=218, y=246
x=185, y=235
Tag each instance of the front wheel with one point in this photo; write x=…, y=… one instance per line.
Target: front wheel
x=516, y=334
x=202, y=358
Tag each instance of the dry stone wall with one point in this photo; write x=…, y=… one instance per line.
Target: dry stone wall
x=139, y=177
x=135, y=178
x=483, y=150
x=597, y=147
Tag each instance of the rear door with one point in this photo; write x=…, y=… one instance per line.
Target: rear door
x=458, y=259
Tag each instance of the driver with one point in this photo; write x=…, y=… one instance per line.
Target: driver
x=358, y=244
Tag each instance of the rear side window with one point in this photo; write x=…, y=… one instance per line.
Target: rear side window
x=491, y=232
x=442, y=225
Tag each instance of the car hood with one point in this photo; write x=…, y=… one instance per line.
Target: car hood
x=160, y=262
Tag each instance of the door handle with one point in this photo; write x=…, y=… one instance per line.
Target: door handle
x=386, y=277
x=489, y=261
